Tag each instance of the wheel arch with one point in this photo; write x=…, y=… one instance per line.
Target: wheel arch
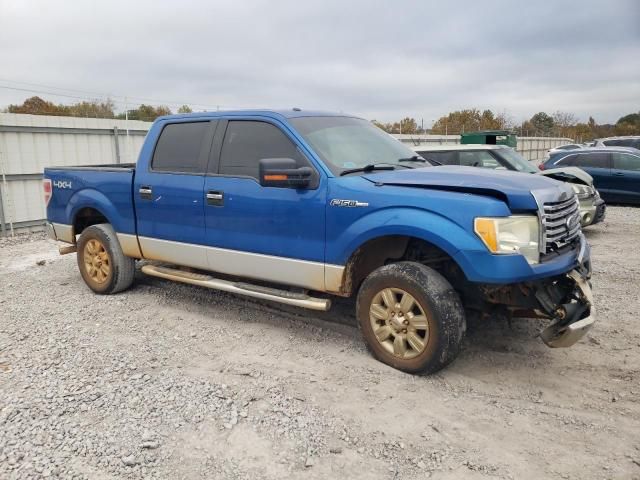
x=391, y=248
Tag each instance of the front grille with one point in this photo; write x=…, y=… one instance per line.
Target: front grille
x=561, y=222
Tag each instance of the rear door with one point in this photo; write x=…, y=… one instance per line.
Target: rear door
x=169, y=196
x=271, y=233
x=625, y=173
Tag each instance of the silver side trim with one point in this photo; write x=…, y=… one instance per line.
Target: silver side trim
x=129, y=245
x=255, y=291
x=290, y=271
x=64, y=233
x=333, y=277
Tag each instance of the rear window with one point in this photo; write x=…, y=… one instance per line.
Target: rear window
x=179, y=146
x=593, y=160
x=479, y=158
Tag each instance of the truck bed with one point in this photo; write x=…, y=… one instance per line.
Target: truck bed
x=107, y=189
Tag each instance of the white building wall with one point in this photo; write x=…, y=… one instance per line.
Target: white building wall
x=29, y=143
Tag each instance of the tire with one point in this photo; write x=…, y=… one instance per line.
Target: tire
x=422, y=338
x=103, y=266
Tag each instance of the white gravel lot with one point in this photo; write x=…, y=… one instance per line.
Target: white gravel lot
x=174, y=381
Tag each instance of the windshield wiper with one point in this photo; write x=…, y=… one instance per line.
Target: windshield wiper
x=415, y=158
x=369, y=168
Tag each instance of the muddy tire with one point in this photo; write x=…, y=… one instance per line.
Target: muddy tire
x=411, y=318
x=103, y=266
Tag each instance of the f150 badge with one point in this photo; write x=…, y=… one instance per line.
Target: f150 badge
x=335, y=202
x=62, y=183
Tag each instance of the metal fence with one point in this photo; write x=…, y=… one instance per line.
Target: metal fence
x=29, y=143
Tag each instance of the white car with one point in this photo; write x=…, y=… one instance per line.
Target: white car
x=628, y=141
x=562, y=148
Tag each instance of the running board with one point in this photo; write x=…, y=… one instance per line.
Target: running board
x=250, y=290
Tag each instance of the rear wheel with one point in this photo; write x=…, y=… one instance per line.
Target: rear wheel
x=103, y=266
x=411, y=318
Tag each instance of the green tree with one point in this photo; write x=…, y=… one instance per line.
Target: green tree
x=542, y=123
x=146, y=113
x=185, y=109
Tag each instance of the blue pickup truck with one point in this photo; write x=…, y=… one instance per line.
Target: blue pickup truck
x=297, y=207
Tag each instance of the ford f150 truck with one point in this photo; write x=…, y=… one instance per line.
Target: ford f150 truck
x=296, y=207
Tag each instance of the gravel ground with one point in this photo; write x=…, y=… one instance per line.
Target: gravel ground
x=173, y=381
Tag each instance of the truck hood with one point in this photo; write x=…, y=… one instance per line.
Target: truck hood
x=568, y=174
x=514, y=188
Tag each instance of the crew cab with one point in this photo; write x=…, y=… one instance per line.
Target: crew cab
x=299, y=207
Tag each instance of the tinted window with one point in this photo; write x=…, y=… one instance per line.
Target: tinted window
x=594, y=160
x=567, y=161
x=246, y=143
x=625, y=161
x=445, y=158
x=178, y=148
x=478, y=159
x=623, y=142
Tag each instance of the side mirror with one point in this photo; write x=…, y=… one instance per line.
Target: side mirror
x=284, y=173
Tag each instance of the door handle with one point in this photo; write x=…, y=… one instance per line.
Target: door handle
x=618, y=174
x=215, y=198
x=145, y=192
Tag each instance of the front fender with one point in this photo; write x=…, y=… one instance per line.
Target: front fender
x=431, y=227
x=119, y=213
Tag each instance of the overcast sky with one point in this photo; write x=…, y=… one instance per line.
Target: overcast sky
x=377, y=59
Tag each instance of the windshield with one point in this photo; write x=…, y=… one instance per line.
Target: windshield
x=516, y=160
x=346, y=143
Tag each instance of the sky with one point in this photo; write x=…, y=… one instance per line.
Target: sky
x=378, y=59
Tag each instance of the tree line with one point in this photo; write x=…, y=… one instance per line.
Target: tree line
x=558, y=124
x=541, y=124
x=92, y=109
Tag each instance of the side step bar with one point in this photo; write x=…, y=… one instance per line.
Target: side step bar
x=256, y=291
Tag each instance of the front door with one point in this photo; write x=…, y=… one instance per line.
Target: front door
x=270, y=233
x=598, y=165
x=169, y=197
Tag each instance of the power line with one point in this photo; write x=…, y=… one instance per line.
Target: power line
x=125, y=99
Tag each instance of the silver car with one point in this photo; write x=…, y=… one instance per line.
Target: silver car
x=501, y=157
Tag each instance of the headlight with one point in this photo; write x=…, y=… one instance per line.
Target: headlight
x=583, y=191
x=517, y=234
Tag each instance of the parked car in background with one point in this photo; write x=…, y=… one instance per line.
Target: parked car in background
x=562, y=148
x=500, y=157
x=615, y=170
x=628, y=141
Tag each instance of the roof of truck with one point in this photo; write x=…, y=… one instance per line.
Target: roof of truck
x=285, y=113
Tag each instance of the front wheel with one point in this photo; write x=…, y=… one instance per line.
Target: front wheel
x=411, y=318
x=103, y=266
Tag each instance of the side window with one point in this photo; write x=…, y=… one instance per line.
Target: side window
x=625, y=161
x=179, y=146
x=247, y=142
x=445, y=158
x=567, y=161
x=593, y=160
x=478, y=159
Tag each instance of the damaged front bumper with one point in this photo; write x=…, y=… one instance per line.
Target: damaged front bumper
x=566, y=299
x=572, y=320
